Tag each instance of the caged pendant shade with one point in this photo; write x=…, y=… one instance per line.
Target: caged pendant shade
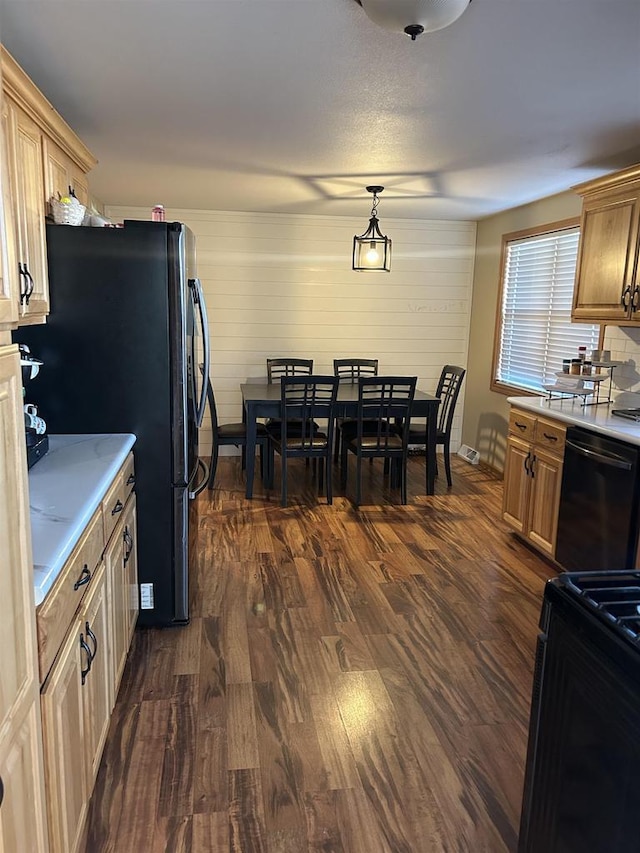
x=413, y=17
x=372, y=250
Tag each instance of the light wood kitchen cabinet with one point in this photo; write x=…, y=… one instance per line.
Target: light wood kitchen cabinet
x=607, y=287
x=9, y=291
x=24, y=143
x=120, y=559
x=42, y=153
x=62, y=175
x=22, y=810
x=533, y=477
x=85, y=624
x=64, y=742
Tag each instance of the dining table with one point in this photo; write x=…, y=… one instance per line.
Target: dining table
x=262, y=400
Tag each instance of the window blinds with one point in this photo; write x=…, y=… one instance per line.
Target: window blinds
x=537, y=292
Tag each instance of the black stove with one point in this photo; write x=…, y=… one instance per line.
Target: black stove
x=612, y=596
x=629, y=414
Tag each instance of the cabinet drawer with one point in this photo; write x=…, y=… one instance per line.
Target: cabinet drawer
x=551, y=434
x=113, y=505
x=522, y=424
x=128, y=477
x=57, y=610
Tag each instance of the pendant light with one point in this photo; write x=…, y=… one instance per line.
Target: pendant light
x=413, y=17
x=372, y=250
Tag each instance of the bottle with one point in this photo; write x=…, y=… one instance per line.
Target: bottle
x=582, y=353
x=576, y=366
x=157, y=213
x=586, y=368
x=566, y=365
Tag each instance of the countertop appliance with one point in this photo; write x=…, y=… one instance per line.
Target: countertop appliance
x=35, y=427
x=121, y=354
x=582, y=781
x=598, y=516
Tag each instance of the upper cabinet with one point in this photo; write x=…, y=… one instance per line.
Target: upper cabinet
x=607, y=288
x=9, y=290
x=44, y=157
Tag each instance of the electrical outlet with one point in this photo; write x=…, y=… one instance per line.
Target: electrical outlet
x=146, y=596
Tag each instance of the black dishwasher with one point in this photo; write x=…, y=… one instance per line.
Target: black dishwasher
x=582, y=781
x=598, y=518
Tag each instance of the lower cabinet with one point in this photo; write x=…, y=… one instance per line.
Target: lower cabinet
x=80, y=688
x=533, y=477
x=122, y=578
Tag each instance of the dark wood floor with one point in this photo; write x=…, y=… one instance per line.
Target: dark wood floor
x=352, y=681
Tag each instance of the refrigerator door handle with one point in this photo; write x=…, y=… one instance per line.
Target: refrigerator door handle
x=198, y=299
x=202, y=466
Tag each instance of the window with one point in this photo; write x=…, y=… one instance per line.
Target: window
x=534, y=330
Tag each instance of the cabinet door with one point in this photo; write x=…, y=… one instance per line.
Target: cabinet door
x=20, y=745
x=61, y=174
x=515, y=499
x=97, y=695
x=544, y=504
x=114, y=560
x=63, y=730
x=131, y=602
x=22, y=828
x=607, y=257
x=9, y=278
x=26, y=166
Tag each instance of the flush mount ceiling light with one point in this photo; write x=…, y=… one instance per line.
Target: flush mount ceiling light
x=372, y=250
x=413, y=17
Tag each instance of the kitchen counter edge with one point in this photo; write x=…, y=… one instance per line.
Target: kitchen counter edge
x=66, y=487
x=596, y=418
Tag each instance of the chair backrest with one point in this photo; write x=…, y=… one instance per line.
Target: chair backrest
x=305, y=399
x=449, y=386
x=386, y=400
x=351, y=369
x=278, y=367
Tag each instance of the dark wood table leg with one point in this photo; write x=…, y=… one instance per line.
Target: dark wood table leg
x=249, y=416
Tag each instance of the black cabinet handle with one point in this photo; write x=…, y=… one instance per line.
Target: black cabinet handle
x=23, y=280
x=128, y=541
x=550, y=437
x=520, y=426
x=634, y=299
x=131, y=481
x=1, y=790
x=85, y=577
x=83, y=645
x=30, y=284
x=526, y=463
x=625, y=299
x=119, y=506
x=532, y=468
x=93, y=639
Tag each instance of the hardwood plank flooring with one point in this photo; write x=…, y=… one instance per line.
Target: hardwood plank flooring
x=352, y=680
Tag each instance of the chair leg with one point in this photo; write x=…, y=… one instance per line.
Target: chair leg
x=403, y=479
x=344, y=463
x=213, y=465
x=358, y=480
x=447, y=462
x=328, y=466
x=336, y=445
x=283, y=492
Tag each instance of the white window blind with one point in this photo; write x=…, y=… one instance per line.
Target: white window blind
x=537, y=292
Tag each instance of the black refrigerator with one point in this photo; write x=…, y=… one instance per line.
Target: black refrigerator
x=120, y=355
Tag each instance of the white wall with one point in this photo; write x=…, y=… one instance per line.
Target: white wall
x=282, y=285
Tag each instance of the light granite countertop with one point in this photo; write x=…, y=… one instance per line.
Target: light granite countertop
x=596, y=418
x=65, y=488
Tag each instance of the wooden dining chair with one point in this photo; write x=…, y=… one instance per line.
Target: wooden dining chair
x=385, y=401
x=226, y=435
x=303, y=401
x=448, y=390
x=276, y=369
x=350, y=370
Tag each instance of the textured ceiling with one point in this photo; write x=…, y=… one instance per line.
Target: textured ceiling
x=296, y=105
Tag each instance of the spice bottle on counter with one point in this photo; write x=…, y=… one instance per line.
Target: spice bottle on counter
x=586, y=368
x=582, y=353
x=157, y=213
x=566, y=365
x=576, y=366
